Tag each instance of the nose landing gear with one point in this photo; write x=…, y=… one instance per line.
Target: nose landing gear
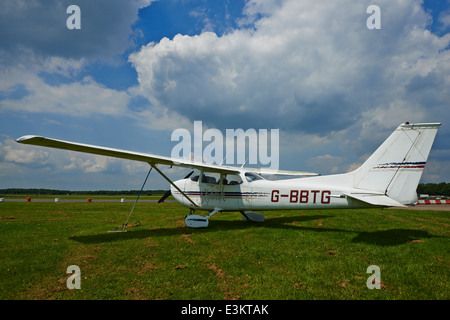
x=196, y=221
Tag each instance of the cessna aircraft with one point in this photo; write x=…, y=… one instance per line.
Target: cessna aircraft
x=389, y=177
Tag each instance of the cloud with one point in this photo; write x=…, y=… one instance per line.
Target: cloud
x=32, y=156
x=326, y=164
x=444, y=19
x=44, y=66
x=309, y=68
x=154, y=117
x=202, y=14
x=306, y=66
x=24, y=156
x=436, y=171
x=73, y=98
x=38, y=28
x=23, y=90
x=31, y=166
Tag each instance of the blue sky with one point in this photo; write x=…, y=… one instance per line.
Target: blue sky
x=138, y=70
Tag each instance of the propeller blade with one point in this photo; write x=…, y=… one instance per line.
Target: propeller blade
x=165, y=196
x=189, y=174
x=168, y=193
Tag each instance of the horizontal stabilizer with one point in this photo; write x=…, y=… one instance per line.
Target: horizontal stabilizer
x=375, y=199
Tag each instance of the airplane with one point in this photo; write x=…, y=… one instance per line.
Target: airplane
x=389, y=177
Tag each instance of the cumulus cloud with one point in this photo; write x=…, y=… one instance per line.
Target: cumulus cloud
x=444, y=19
x=38, y=28
x=326, y=164
x=309, y=68
x=43, y=64
x=305, y=66
x=23, y=90
x=154, y=117
x=36, y=167
x=33, y=156
x=76, y=98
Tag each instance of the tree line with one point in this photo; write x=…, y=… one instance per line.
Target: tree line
x=29, y=191
x=434, y=189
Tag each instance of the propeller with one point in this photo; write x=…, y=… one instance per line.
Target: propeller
x=168, y=193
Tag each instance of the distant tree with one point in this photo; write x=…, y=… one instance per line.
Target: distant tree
x=446, y=190
x=434, y=189
x=440, y=187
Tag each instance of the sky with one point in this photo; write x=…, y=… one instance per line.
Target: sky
x=137, y=70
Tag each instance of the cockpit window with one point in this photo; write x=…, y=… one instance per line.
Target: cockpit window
x=251, y=176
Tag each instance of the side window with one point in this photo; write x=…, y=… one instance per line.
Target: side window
x=231, y=180
x=211, y=177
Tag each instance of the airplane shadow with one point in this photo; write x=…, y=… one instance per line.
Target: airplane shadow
x=390, y=237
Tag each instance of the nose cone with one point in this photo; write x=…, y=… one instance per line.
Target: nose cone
x=175, y=193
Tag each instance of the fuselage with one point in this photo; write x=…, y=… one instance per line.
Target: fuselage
x=249, y=191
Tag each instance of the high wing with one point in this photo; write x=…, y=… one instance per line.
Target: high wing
x=123, y=154
x=152, y=159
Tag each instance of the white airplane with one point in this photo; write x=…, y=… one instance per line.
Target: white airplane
x=389, y=177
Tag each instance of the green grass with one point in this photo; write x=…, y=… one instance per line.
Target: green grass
x=322, y=254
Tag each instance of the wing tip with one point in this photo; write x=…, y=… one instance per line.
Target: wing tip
x=24, y=138
x=27, y=138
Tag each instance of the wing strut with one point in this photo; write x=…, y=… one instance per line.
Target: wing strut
x=139, y=194
x=173, y=184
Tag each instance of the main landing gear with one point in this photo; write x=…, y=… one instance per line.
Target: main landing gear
x=196, y=221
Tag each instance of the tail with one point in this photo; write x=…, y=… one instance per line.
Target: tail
x=396, y=167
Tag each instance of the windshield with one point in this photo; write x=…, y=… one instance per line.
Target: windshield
x=251, y=176
x=195, y=175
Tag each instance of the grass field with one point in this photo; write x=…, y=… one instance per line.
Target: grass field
x=321, y=254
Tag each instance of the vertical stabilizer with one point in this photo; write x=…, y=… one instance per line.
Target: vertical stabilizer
x=396, y=167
